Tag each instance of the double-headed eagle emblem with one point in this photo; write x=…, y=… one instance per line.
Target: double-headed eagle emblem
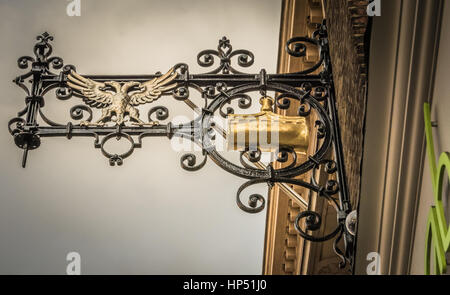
x=118, y=100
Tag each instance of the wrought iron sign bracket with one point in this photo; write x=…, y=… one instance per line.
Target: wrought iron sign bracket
x=119, y=96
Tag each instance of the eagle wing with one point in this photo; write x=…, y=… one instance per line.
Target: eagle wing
x=91, y=91
x=152, y=90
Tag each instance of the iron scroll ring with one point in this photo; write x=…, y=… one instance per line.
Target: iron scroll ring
x=247, y=172
x=117, y=158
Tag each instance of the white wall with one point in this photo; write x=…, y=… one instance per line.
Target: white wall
x=148, y=216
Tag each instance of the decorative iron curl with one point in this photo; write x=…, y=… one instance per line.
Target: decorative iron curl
x=183, y=68
x=282, y=156
x=221, y=87
x=24, y=61
x=42, y=60
x=304, y=110
x=77, y=112
x=181, y=93
x=332, y=187
x=189, y=162
x=320, y=93
x=43, y=50
x=205, y=58
x=253, y=199
x=15, y=125
x=339, y=252
x=283, y=101
x=252, y=156
x=56, y=62
x=63, y=92
x=321, y=129
x=43, y=47
x=209, y=92
x=298, y=47
x=161, y=112
x=330, y=166
x=244, y=102
x=225, y=53
x=313, y=222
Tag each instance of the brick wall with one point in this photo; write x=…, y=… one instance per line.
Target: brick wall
x=347, y=23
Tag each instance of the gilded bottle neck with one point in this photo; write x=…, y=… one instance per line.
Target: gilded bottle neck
x=266, y=104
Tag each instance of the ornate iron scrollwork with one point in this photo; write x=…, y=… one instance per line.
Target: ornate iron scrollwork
x=217, y=88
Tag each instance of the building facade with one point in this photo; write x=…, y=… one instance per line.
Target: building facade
x=385, y=68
